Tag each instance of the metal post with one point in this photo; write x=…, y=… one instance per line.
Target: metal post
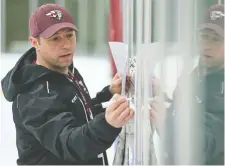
x=143, y=141
x=142, y=127
x=147, y=37
x=161, y=12
x=138, y=144
x=131, y=28
x=139, y=22
x=138, y=125
x=147, y=21
x=128, y=16
x=125, y=12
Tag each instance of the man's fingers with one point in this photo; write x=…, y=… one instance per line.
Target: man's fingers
x=153, y=114
x=118, y=81
x=127, y=88
x=128, y=80
x=115, y=97
x=156, y=86
x=153, y=119
x=128, y=75
x=116, y=102
x=156, y=102
x=158, y=99
x=117, y=76
x=154, y=105
x=155, y=81
x=120, y=109
x=124, y=114
x=131, y=115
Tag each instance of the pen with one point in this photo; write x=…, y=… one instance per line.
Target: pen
x=107, y=103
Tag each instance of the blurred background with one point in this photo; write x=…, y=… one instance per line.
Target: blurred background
x=91, y=18
x=98, y=21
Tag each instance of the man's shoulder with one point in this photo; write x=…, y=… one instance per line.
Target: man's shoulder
x=42, y=85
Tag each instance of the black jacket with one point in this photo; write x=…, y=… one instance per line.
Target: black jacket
x=209, y=129
x=48, y=112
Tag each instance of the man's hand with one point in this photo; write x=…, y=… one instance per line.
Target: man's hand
x=116, y=84
x=156, y=87
x=158, y=112
x=118, y=112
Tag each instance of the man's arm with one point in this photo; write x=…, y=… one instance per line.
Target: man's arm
x=45, y=116
x=102, y=96
x=109, y=91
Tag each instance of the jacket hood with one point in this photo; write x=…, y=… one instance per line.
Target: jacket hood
x=22, y=74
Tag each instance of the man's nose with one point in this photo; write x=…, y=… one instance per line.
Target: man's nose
x=205, y=46
x=66, y=43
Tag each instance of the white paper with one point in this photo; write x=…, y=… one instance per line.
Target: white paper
x=120, y=54
x=121, y=58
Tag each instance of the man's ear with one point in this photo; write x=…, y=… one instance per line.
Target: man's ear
x=34, y=42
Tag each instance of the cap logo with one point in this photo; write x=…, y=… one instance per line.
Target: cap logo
x=216, y=14
x=55, y=14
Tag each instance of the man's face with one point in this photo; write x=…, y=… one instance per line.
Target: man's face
x=57, y=51
x=211, y=47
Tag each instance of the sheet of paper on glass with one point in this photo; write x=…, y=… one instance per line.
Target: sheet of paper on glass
x=135, y=143
x=120, y=55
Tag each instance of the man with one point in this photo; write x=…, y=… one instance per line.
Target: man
x=208, y=97
x=56, y=121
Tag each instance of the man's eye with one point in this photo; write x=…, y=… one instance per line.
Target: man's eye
x=70, y=35
x=55, y=38
x=204, y=36
x=216, y=39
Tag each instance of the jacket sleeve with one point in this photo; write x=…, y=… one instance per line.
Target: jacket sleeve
x=102, y=96
x=47, y=118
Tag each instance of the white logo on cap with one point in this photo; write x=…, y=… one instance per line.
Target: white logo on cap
x=55, y=14
x=216, y=14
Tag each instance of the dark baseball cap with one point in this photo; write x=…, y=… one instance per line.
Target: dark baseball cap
x=48, y=19
x=214, y=19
